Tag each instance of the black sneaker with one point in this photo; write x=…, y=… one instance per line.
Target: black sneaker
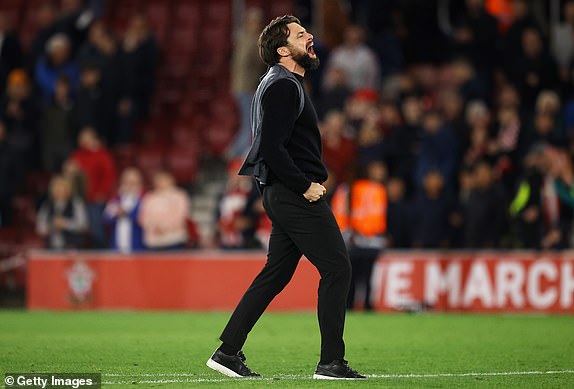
x=336, y=370
x=230, y=365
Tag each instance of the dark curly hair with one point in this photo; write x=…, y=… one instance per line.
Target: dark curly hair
x=273, y=36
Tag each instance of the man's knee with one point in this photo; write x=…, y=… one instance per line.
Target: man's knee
x=342, y=273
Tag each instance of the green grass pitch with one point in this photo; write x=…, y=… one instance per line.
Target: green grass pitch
x=169, y=349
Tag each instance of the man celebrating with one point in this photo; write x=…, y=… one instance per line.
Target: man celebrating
x=285, y=159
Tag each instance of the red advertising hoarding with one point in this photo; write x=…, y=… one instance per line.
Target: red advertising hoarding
x=472, y=282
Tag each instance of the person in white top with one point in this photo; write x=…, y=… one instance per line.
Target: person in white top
x=356, y=60
x=122, y=213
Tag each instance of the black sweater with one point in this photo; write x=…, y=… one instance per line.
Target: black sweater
x=291, y=145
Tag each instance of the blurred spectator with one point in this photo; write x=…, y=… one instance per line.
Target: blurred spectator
x=506, y=146
x=526, y=205
x=484, y=219
x=522, y=19
x=475, y=37
x=162, y=232
x=533, y=69
x=370, y=139
x=75, y=19
x=45, y=18
x=390, y=123
x=20, y=113
x=338, y=149
x=96, y=163
x=507, y=97
x=62, y=219
x=141, y=54
x=509, y=131
x=469, y=85
x=356, y=59
x=8, y=160
x=56, y=61
x=405, y=140
x=236, y=216
x=543, y=130
x=433, y=207
x=452, y=105
x=10, y=50
x=456, y=219
x=122, y=213
x=103, y=51
x=563, y=40
x=334, y=93
x=399, y=215
x=438, y=150
x=89, y=107
x=478, y=144
x=264, y=226
x=361, y=213
x=557, y=199
x=358, y=106
x=246, y=70
x=76, y=177
x=57, y=127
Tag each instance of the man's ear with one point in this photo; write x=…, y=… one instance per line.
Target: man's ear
x=283, y=51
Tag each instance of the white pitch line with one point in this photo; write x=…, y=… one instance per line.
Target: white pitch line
x=472, y=374
x=308, y=377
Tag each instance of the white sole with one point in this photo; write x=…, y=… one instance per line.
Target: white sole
x=222, y=369
x=326, y=377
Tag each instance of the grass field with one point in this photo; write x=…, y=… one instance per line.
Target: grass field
x=397, y=350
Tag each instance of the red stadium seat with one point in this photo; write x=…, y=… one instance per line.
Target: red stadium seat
x=184, y=40
x=188, y=13
x=12, y=9
x=224, y=107
x=9, y=236
x=153, y=132
x=31, y=240
x=192, y=233
x=24, y=212
x=218, y=136
x=159, y=17
x=177, y=65
x=124, y=156
x=183, y=164
x=218, y=13
x=184, y=133
x=150, y=159
x=281, y=7
x=123, y=10
x=36, y=183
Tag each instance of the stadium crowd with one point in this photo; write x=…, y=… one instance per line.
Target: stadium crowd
x=471, y=121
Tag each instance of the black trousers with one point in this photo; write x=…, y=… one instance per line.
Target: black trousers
x=363, y=261
x=299, y=227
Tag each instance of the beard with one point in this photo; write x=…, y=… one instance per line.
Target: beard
x=305, y=61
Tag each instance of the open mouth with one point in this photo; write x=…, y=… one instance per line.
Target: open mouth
x=310, y=50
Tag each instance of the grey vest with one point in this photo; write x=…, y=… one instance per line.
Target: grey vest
x=254, y=165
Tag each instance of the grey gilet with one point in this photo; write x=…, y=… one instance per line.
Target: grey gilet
x=254, y=165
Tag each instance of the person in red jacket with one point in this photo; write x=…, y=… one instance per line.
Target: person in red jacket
x=95, y=161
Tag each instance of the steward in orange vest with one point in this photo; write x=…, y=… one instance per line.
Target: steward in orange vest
x=361, y=214
x=367, y=222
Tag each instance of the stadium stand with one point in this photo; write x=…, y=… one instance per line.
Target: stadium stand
x=448, y=101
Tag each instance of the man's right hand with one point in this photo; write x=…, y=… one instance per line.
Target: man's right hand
x=315, y=192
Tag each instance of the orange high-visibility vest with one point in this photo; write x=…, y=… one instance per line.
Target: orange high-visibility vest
x=368, y=207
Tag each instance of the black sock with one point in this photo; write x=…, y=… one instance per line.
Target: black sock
x=227, y=349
